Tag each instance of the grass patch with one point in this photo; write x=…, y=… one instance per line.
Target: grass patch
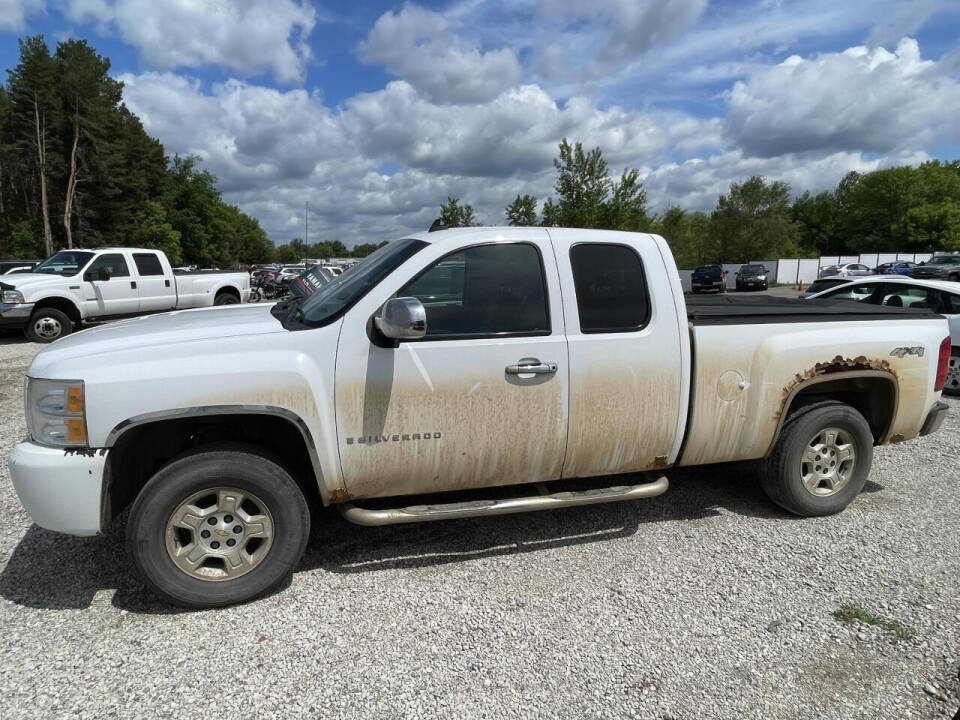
x=855, y=614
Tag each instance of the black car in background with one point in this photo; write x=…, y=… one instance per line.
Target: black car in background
x=9, y=266
x=939, y=267
x=752, y=277
x=708, y=277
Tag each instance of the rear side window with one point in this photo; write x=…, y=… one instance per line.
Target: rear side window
x=485, y=290
x=952, y=303
x=148, y=264
x=611, y=288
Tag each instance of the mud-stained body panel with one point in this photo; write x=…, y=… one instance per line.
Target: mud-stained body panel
x=737, y=419
x=443, y=414
x=627, y=389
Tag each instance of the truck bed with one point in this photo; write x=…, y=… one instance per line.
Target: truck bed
x=757, y=309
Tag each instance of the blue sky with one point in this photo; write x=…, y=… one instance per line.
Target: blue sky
x=374, y=112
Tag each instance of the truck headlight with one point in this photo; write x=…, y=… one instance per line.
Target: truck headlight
x=11, y=296
x=761, y=277
x=55, y=412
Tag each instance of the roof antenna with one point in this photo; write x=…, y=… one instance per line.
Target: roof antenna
x=437, y=225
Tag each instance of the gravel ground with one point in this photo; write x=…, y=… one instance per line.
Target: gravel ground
x=707, y=602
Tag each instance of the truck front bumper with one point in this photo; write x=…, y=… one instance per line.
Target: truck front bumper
x=15, y=315
x=935, y=418
x=61, y=488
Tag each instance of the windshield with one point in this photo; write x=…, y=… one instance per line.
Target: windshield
x=944, y=260
x=753, y=269
x=336, y=297
x=65, y=263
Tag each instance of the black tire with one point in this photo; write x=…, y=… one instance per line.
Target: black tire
x=780, y=474
x=226, y=298
x=232, y=466
x=254, y=296
x=952, y=385
x=47, y=324
x=954, y=277
x=695, y=291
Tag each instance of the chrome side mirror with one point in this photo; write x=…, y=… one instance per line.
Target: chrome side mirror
x=403, y=319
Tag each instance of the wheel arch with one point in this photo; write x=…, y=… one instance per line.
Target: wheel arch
x=64, y=304
x=874, y=394
x=141, y=445
x=228, y=290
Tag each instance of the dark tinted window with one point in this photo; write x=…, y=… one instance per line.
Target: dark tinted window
x=485, y=290
x=821, y=285
x=115, y=263
x=952, y=302
x=611, y=290
x=148, y=264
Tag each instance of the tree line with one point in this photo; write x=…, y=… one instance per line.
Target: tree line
x=905, y=209
x=77, y=169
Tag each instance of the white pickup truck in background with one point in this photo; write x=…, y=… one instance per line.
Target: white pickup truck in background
x=510, y=369
x=74, y=286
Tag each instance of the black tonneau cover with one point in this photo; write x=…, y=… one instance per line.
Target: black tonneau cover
x=756, y=309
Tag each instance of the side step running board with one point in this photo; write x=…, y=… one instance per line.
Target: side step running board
x=480, y=508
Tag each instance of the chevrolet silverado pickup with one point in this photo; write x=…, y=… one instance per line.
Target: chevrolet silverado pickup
x=74, y=286
x=459, y=373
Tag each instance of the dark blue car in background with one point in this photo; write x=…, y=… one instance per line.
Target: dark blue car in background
x=708, y=277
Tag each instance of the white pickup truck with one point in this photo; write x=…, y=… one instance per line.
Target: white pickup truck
x=73, y=286
x=511, y=369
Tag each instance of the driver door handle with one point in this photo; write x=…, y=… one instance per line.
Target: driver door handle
x=531, y=366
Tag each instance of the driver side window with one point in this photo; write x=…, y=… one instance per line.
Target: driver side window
x=483, y=291
x=113, y=262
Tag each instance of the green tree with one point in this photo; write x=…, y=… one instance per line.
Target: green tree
x=153, y=231
x=753, y=221
x=931, y=226
x=32, y=121
x=690, y=237
x=453, y=214
x=522, y=211
x=818, y=219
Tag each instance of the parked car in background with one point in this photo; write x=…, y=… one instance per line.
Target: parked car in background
x=818, y=286
x=8, y=267
x=896, y=291
x=288, y=272
x=898, y=267
x=752, y=277
x=551, y=355
x=708, y=277
x=845, y=270
x=939, y=267
x=73, y=286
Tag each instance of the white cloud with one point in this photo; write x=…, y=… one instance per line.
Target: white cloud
x=14, y=13
x=420, y=46
x=861, y=99
x=246, y=36
x=696, y=183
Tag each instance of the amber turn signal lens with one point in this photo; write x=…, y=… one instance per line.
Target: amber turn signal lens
x=76, y=431
x=75, y=399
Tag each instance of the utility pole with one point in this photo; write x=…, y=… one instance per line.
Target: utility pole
x=306, y=212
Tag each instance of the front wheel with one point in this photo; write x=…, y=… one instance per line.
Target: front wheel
x=821, y=460
x=217, y=527
x=952, y=385
x=47, y=324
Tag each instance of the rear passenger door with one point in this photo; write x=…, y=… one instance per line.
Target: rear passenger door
x=156, y=288
x=624, y=353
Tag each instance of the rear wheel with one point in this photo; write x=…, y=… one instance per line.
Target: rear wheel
x=952, y=385
x=46, y=325
x=226, y=298
x=217, y=527
x=820, y=461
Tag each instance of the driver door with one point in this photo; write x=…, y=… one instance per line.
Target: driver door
x=117, y=295
x=445, y=412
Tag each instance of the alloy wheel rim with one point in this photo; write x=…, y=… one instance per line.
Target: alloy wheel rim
x=47, y=327
x=219, y=534
x=828, y=462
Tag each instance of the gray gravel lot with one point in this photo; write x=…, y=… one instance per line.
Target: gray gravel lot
x=707, y=602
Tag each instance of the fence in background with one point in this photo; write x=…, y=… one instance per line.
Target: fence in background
x=791, y=271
